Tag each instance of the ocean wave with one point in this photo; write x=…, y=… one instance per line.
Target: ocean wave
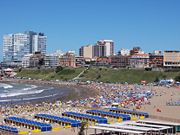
x=5, y=86
x=13, y=94
x=26, y=99
x=30, y=87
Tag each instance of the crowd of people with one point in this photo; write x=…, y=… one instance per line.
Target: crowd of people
x=105, y=94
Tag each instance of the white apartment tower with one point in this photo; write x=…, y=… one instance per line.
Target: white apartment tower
x=104, y=48
x=39, y=43
x=8, y=47
x=17, y=45
x=21, y=46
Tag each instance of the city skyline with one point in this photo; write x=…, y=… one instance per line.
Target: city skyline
x=152, y=25
x=17, y=45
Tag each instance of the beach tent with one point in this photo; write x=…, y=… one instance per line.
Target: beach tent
x=109, y=114
x=132, y=112
x=85, y=117
x=29, y=123
x=8, y=129
x=60, y=120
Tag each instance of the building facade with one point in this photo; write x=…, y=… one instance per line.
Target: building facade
x=21, y=46
x=124, y=52
x=171, y=59
x=136, y=50
x=67, y=60
x=51, y=60
x=103, y=61
x=37, y=60
x=39, y=43
x=119, y=61
x=26, y=60
x=156, y=60
x=104, y=48
x=80, y=61
x=86, y=51
x=17, y=45
x=99, y=51
x=139, y=61
x=8, y=47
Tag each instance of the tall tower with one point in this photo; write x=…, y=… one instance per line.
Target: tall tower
x=21, y=46
x=8, y=47
x=39, y=43
x=17, y=45
x=104, y=48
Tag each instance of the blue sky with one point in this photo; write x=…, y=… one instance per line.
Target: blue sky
x=69, y=24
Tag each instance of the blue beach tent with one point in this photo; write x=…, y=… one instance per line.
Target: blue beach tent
x=118, y=110
x=86, y=117
x=8, y=129
x=42, y=126
x=110, y=114
x=72, y=122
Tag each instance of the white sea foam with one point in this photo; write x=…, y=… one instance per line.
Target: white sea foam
x=26, y=99
x=5, y=86
x=30, y=87
x=16, y=93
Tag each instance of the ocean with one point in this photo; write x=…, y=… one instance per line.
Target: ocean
x=14, y=93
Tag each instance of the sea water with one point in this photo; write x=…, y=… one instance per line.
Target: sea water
x=14, y=92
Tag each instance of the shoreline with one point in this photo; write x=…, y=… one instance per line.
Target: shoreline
x=99, y=95
x=76, y=92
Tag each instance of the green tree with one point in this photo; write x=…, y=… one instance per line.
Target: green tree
x=98, y=77
x=164, y=76
x=177, y=78
x=58, y=69
x=157, y=79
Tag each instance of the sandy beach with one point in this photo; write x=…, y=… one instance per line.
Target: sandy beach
x=159, y=100
x=100, y=96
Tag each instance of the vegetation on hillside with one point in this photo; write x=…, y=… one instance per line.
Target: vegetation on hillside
x=177, y=78
x=126, y=75
x=99, y=74
x=51, y=74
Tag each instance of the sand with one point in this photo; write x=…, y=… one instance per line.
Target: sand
x=162, y=96
x=157, y=108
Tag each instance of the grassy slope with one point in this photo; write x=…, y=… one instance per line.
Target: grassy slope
x=49, y=74
x=99, y=74
x=125, y=75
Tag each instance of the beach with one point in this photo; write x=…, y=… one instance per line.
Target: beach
x=151, y=99
x=159, y=108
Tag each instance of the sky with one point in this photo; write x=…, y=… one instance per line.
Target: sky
x=70, y=24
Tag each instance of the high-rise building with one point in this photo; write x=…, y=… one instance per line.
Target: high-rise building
x=39, y=43
x=86, y=51
x=106, y=47
x=8, y=47
x=99, y=50
x=16, y=45
x=103, y=48
x=21, y=46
